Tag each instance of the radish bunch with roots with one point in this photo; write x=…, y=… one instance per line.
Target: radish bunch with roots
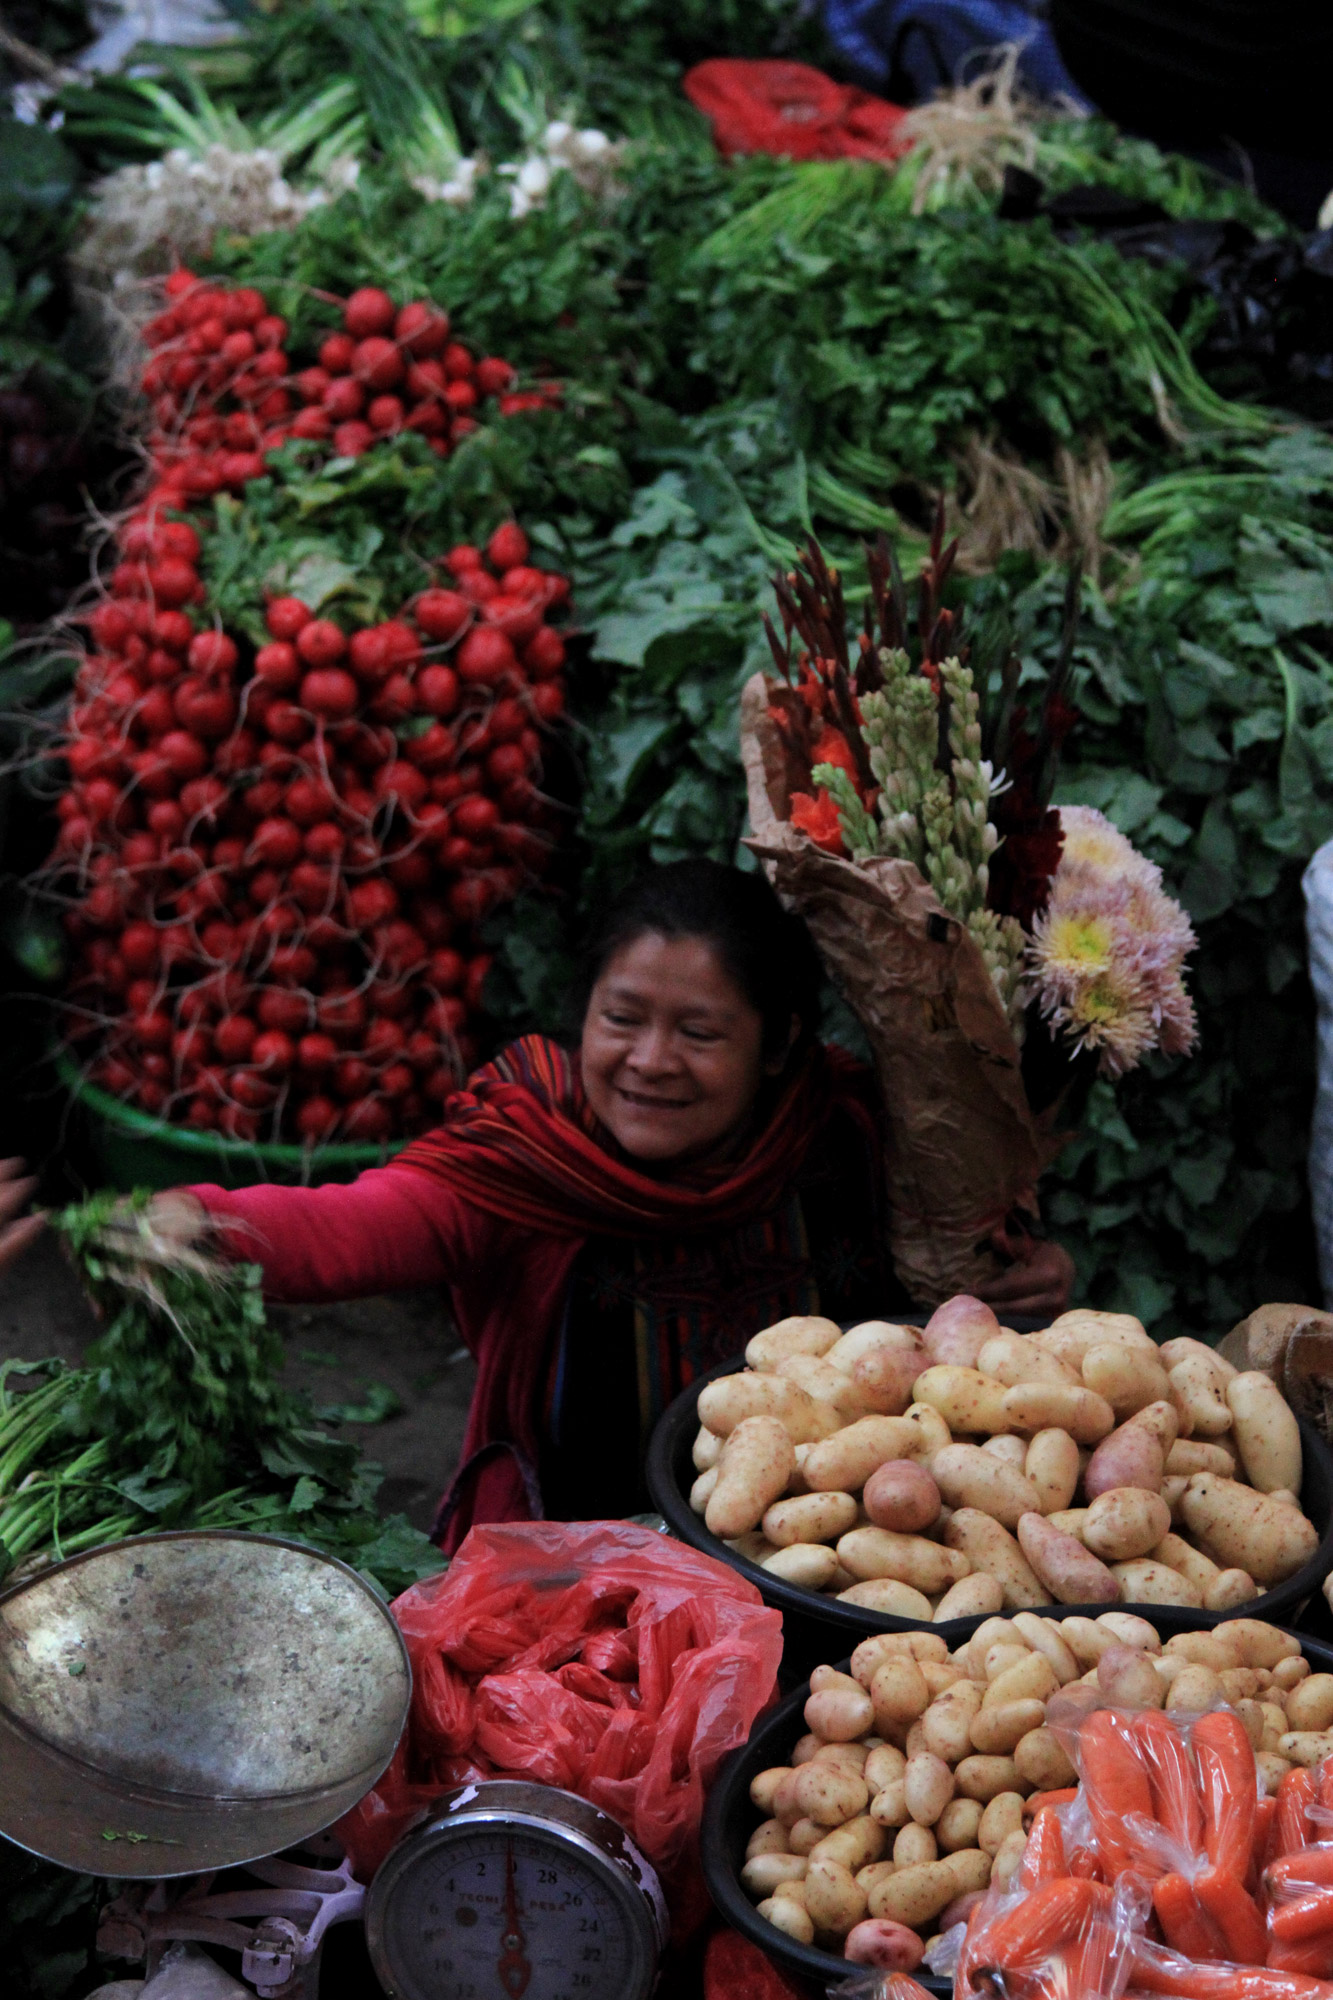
x=277, y=850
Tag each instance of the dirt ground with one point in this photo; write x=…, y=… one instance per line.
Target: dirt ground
x=337, y=1354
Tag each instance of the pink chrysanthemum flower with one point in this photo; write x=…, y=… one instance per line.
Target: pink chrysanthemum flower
x=1106, y=957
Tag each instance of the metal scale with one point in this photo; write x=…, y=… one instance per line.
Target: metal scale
x=184, y=1704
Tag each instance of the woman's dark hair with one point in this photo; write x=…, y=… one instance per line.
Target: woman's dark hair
x=768, y=953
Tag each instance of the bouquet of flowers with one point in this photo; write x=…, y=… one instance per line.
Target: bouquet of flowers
x=905, y=811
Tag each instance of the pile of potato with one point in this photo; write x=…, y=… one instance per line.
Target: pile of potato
x=965, y=1469
x=907, y=1796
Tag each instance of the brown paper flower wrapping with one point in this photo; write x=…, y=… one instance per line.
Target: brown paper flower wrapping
x=964, y=1150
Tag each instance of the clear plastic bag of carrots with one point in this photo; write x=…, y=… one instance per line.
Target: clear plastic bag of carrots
x=1168, y=1873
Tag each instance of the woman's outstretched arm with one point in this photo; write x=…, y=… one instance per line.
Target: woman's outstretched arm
x=386, y=1231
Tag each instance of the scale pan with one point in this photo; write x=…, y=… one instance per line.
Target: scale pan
x=188, y=1701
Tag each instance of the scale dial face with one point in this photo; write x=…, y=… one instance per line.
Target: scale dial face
x=495, y=1905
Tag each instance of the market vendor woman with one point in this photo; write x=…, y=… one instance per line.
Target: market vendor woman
x=611, y=1222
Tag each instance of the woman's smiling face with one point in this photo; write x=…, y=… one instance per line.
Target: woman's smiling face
x=673, y=1055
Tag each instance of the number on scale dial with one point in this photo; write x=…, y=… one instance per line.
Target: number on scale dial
x=501, y=1916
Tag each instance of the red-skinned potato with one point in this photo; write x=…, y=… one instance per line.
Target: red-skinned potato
x=957, y=1331
x=902, y=1495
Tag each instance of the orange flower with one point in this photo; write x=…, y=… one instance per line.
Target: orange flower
x=818, y=817
x=832, y=748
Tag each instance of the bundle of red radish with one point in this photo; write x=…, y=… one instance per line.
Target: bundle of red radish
x=224, y=389
x=276, y=859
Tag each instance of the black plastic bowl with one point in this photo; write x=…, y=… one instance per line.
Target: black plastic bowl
x=729, y=1817
x=817, y=1628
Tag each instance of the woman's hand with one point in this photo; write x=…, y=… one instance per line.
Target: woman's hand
x=17, y=1230
x=1038, y=1285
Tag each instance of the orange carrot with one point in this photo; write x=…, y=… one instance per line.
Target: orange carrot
x=1186, y=1925
x=1313, y=1956
x=1265, y=1821
x=1033, y=1804
x=1175, y=1789
x=1044, y=1856
x=1306, y=1917
x=1051, y=1917
x=1116, y=1786
x=1236, y=1914
x=1307, y=1868
x=1295, y=1795
x=1229, y=1785
x=1156, y=1971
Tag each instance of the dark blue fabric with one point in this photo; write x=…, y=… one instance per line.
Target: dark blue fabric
x=908, y=49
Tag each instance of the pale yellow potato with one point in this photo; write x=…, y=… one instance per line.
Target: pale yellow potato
x=1306, y=1746
x=1008, y=1447
x=1266, y=1433
x=1032, y=1678
x=832, y=1899
x=732, y=1400
x=1041, y=1762
x=1051, y=1467
x=913, y=1844
x=809, y=1517
x=997, y=1659
x=1069, y=1573
x=1045, y=1637
x=1309, y=1705
x=1287, y=1673
x=1197, y=1386
x=769, y=1837
x=857, y=1845
x=983, y=1777
x=764, y=1785
x=1129, y=1679
x=878, y=1552
x=899, y=1694
x=884, y=1593
x=938, y=1678
x=1244, y=1683
x=789, y=1917
x=1125, y=1522
x=1013, y=1357
x=1071, y=1520
x=1228, y=1589
x=968, y=1476
x=1222, y=1647
x=1181, y=1555
x=825, y=1384
x=934, y=1432
x=1086, y=1639
x=760, y=1875
x=884, y=1763
x=1182, y=1348
x=871, y=1337
x=1162, y=1420
x=972, y=1597
x=1242, y=1529
x=1272, y=1768
x=1039, y=1406
x=928, y=1787
x=1128, y=1378
x=1073, y=1333
x=888, y=1807
x=1194, y=1689
x=754, y=1547
x=1285, y=1494
x=1009, y=1860
x=872, y=1653
x=808, y=1565
x=913, y=1896
x=1256, y=1643
x=829, y=1792
x=1251, y=1717
x=840, y=1714
x=1191, y=1455
x=707, y=1449
x=877, y=1871
x=842, y=1464
x=1148, y=1582
x=965, y=1399
x=851, y=1755
x=1002, y=1816
x=998, y=1730
x=756, y=1463
x=994, y=1632
x=1130, y=1456
x=946, y=1726
x=702, y=1490
x=990, y=1547
x=957, y=1824
x=803, y=1333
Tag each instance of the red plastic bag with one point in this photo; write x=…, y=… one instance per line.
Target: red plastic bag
x=596, y=1656
x=792, y=110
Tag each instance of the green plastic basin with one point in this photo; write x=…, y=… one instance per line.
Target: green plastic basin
x=133, y=1150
